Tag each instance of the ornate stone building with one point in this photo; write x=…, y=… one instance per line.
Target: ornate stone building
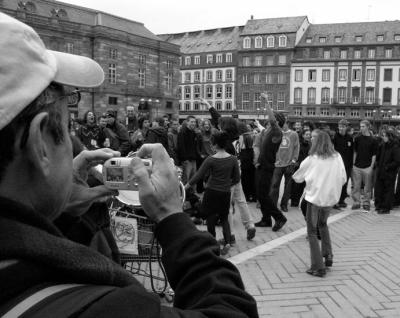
x=140, y=68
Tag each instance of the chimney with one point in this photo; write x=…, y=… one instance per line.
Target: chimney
x=251, y=17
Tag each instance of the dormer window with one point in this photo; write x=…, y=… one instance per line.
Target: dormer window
x=270, y=41
x=379, y=38
x=258, y=42
x=246, y=43
x=282, y=41
x=322, y=39
x=397, y=37
x=338, y=39
x=308, y=40
x=359, y=38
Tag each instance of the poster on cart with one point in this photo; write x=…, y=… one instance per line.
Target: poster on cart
x=126, y=234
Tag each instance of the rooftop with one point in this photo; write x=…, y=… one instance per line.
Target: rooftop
x=273, y=25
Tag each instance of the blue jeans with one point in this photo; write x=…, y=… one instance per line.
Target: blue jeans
x=317, y=217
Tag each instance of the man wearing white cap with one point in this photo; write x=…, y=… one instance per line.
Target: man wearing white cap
x=43, y=274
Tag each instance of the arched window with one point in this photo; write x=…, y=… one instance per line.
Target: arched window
x=246, y=43
x=258, y=42
x=270, y=41
x=282, y=40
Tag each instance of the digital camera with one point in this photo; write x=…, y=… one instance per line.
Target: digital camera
x=117, y=173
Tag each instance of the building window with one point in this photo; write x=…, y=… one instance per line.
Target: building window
x=341, y=112
x=370, y=95
x=168, y=82
x=311, y=111
x=270, y=98
x=113, y=53
x=180, y=60
x=257, y=100
x=311, y=96
x=356, y=74
x=218, y=91
x=308, y=40
x=270, y=41
x=197, y=76
x=359, y=38
x=342, y=75
x=387, y=95
x=246, y=43
x=282, y=41
x=112, y=73
x=209, y=92
x=258, y=42
x=228, y=57
x=228, y=91
x=187, y=77
x=270, y=60
x=370, y=74
x=387, y=74
x=397, y=37
x=258, y=60
x=379, y=38
x=327, y=55
x=257, y=78
x=197, y=59
x=342, y=91
x=281, y=78
x=354, y=112
x=312, y=75
x=218, y=75
x=179, y=93
x=188, y=92
x=338, y=39
x=245, y=78
x=209, y=76
x=209, y=59
x=355, y=94
x=343, y=54
x=357, y=54
x=169, y=65
x=219, y=58
x=324, y=111
x=298, y=75
x=196, y=92
x=188, y=60
x=281, y=100
x=246, y=61
x=298, y=111
x=269, y=78
x=325, y=95
x=187, y=106
x=69, y=48
x=326, y=75
x=298, y=95
x=322, y=39
x=228, y=75
x=196, y=105
x=218, y=105
x=112, y=100
x=246, y=100
x=282, y=59
x=368, y=113
x=371, y=53
x=388, y=53
x=228, y=105
x=142, y=59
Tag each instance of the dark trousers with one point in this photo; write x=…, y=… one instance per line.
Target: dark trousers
x=279, y=172
x=344, y=195
x=268, y=207
x=248, y=182
x=384, y=193
x=296, y=192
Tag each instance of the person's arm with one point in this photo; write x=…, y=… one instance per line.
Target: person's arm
x=256, y=149
x=215, y=115
x=268, y=109
x=300, y=174
x=199, y=175
x=259, y=126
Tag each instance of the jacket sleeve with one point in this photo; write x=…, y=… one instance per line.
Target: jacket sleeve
x=205, y=284
x=201, y=172
x=300, y=174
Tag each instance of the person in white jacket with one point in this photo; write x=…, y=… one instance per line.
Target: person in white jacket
x=324, y=173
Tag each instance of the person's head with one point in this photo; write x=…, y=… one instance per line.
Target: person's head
x=89, y=117
x=166, y=121
x=306, y=134
x=191, y=122
x=174, y=125
x=130, y=111
x=229, y=125
x=158, y=122
x=206, y=126
x=342, y=126
x=280, y=118
x=388, y=135
x=297, y=126
x=103, y=121
x=111, y=116
x=321, y=144
x=219, y=139
x=365, y=127
x=36, y=150
x=308, y=126
x=144, y=122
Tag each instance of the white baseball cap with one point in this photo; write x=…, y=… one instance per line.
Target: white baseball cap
x=27, y=68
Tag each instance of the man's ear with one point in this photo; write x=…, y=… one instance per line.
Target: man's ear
x=37, y=144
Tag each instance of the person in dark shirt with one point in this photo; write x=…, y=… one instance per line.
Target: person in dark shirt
x=158, y=134
x=344, y=144
x=89, y=133
x=222, y=170
x=365, y=149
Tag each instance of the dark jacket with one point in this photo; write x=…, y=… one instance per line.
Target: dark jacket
x=90, y=134
x=158, y=135
x=232, y=137
x=119, y=138
x=33, y=251
x=345, y=146
x=269, y=145
x=388, y=160
x=304, y=150
x=187, y=145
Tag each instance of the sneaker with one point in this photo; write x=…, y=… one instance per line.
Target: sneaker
x=366, y=208
x=355, y=206
x=328, y=260
x=263, y=223
x=279, y=224
x=222, y=241
x=225, y=249
x=317, y=272
x=251, y=233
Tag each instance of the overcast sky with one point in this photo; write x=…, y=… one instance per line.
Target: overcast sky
x=173, y=16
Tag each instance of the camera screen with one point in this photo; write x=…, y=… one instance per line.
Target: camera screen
x=115, y=174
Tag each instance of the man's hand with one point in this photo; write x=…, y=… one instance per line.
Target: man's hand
x=159, y=193
x=82, y=197
x=204, y=102
x=264, y=95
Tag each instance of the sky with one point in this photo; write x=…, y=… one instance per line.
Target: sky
x=175, y=16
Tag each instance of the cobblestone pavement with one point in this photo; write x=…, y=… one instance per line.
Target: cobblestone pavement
x=363, y=282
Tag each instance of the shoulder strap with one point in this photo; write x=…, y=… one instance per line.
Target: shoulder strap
x=58, y=301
